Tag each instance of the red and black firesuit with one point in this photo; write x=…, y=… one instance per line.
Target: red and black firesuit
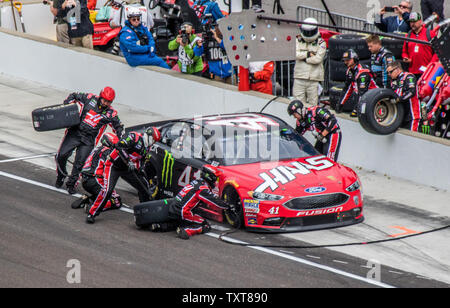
x=183, y=208
x=94, y=120
x=359, y=80
x=122, y=161
x=405, y=88
x=319, y=119
x=93, y=174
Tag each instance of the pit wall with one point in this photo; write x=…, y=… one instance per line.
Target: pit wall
x=418, y=158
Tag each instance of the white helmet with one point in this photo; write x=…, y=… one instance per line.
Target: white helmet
x=133, y=12
x=309, y=33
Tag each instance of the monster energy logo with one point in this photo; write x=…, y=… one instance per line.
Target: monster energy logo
x=167, y=171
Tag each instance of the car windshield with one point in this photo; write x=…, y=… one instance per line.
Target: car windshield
x=246, y=147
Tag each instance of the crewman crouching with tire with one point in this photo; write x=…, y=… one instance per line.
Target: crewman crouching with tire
x=322, y=123
x=404, y=85
x=182, y=210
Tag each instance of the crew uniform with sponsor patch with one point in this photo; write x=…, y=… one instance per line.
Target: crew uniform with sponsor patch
x=96, y=114
x=323, y=122
x=123, y=161
x=359, y=80
x=183, y=208
x=379, y=63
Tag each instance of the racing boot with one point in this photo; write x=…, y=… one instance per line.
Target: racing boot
x=206, y=228
x=59, y=181
x=181, y=233
x=90, y=219
x=71, y=189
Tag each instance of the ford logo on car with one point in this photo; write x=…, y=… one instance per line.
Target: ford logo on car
x=315, y=190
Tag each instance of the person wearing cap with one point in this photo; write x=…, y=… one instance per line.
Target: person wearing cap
x=120, y=16
x=322, y=123
x=417, y=55
x=359, y=80
x=404, y=85
x=95, y=115
x=309, y=70
x=185, y=42
x=137, y=43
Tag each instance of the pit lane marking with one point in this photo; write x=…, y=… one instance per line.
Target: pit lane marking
x=27, y=157
x=262, y=249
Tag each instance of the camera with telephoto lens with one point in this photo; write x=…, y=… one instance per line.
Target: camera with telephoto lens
x=208, y=24
x=143, y=40
x=184, y=35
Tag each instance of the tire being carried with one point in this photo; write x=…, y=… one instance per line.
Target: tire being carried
x=378, y=113
x=56, y=117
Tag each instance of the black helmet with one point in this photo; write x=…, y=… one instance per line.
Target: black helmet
x=295, y=106
x=350, y=54
x=209, y=174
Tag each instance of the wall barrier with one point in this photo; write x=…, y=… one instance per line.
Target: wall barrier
x=418, y=158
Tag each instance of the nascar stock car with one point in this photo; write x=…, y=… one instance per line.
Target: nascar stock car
x=273, y=177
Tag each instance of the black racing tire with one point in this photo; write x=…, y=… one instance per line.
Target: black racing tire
x=338, y=69
x=378, y=114
x=335, y=98
x=340, y=43
x=234, y=217
x=151, y=212
x=55, y=117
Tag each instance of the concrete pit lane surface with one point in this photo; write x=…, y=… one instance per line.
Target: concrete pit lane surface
x=43, y=240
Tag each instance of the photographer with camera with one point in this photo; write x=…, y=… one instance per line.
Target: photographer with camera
x=397, y=23
x=136, y=42
x=185, y=43
x=213, y=48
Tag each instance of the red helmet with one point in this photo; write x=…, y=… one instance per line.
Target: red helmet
x=108, y=93
x=109, y=140
x=151, y=135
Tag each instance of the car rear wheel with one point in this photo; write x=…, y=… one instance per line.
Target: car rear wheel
x=234, y=216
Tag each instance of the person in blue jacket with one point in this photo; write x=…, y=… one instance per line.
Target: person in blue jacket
x=219, y=66
x=204, y=7
x=136, y=42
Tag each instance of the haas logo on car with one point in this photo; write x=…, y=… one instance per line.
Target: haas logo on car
x=286, y=174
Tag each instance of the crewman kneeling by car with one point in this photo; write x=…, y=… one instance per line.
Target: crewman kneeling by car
x=182, y=209
x=322, y=123
x=124, y=160
x=404, y=85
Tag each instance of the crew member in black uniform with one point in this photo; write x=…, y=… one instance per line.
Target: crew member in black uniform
x=322, y=123
x=127, y=157
x=95, y=115
x=183, y=208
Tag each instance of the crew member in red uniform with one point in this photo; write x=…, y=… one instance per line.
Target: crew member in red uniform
x=261, y=76
x=418, y=56
x=323, y=123
x=96, y=114
x=359, y=80
x=182, y=209
x=124, y=160
x=405, y=86
x=92, y=174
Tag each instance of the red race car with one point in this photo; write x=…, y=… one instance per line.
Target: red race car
x=274, y=177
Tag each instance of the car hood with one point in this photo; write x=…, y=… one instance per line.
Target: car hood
x=292, y=178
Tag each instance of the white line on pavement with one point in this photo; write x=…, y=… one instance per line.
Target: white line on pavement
x=269, y=251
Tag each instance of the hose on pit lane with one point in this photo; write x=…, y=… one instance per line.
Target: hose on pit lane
x=221, y=238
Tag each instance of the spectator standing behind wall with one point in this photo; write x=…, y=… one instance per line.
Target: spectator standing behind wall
x=432, y=7
x=185, y=43
x=397, y=23
x=418, y=56
x=62, y=28
x=80, y=27
x=119, y=17
x=309, y=71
